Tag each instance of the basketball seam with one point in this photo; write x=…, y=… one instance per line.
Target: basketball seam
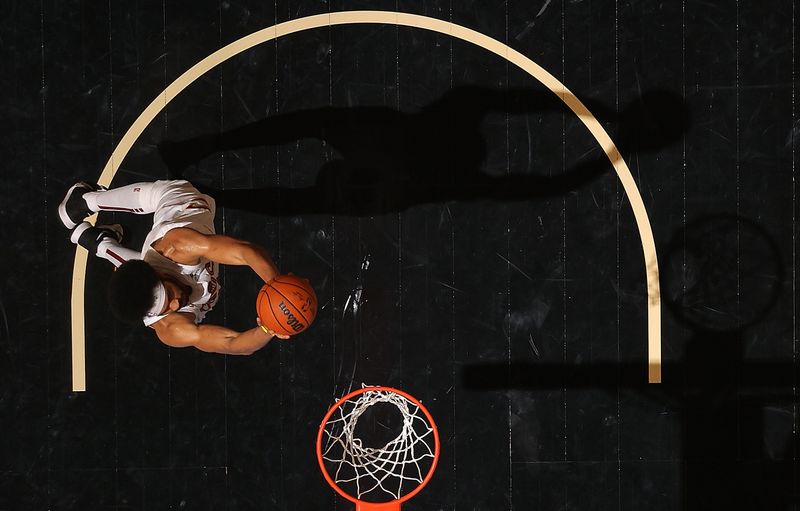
x=259, y=301
x=301, y=288
x=307, y=289
x=277, y=321
x=291, y=303
x=298, y=286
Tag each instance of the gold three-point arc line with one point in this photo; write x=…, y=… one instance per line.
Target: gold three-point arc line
x=390, y=18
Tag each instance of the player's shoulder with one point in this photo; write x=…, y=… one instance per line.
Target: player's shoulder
x=182, y=244
x=177, y=329
x=182, y=235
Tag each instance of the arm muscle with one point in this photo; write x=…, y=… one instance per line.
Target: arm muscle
x=189, y=244
x=179, y=331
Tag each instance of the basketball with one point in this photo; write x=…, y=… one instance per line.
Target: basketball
x=286, y=304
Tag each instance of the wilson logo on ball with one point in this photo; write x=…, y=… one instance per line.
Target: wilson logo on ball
x=287, y=304
x=290, y=319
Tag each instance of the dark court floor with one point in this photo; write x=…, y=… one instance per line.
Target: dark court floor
x=467, y=236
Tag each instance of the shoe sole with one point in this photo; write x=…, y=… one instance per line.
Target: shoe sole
x=62, y=208
x=84, y=226
x=76, y=233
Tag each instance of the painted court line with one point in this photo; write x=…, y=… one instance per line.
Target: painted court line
x=390, y=18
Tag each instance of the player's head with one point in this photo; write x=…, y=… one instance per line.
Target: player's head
x=135, y=290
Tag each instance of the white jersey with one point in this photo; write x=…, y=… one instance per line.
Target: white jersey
x=183, y=206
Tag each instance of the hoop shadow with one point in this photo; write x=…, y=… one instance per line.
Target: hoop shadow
x=722, y=273
x=737, y=446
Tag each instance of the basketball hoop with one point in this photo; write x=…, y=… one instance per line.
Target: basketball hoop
x=377, y=478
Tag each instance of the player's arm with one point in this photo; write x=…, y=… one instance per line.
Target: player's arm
x=188, y=244
x=179, y=331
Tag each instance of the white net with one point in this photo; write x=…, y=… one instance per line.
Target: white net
x=378, y=473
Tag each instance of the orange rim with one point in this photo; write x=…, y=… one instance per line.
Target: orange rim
x=405, y=497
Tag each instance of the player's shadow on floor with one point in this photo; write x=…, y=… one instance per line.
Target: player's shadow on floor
x=389, y=160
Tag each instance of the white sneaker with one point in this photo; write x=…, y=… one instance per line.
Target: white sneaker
x=73, y=209
x=89, y=236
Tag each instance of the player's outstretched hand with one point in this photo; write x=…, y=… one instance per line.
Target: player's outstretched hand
x=270, y=332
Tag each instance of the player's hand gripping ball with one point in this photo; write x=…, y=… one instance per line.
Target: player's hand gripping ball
x=287, y=304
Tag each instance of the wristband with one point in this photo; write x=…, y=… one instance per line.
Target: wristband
x=265, y=330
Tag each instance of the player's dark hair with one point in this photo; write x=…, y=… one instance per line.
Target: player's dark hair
x=130, y=290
